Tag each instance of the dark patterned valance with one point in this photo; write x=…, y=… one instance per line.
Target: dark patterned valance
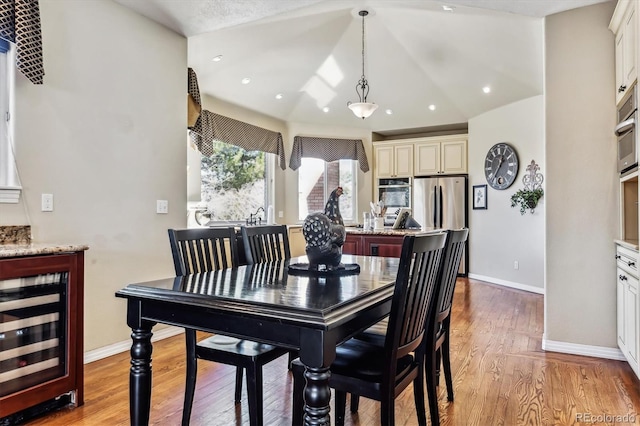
x=215, y=127
x=328, y=149
x=211, y=126
x=20, y=24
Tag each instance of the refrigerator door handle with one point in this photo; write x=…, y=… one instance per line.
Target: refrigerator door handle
x=435, y=210
x=440, y=207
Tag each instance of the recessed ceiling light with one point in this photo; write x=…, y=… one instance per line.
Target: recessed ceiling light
x=246, y=80
x=279, y=96
x=448, y=8
x=432, y=107
x=217, y=58
x=325, y=109
x=388, y=111
x=486, y=89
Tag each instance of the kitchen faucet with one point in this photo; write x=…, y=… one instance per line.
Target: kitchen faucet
x=252, y=217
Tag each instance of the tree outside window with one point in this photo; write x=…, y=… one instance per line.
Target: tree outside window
x=234, y=182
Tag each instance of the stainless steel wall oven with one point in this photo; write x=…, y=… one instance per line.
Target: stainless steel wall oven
x=626, y=131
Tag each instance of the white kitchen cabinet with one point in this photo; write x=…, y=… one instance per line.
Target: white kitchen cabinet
x=624, y=25
x=628, y=305
x=393, y=160
x=440, y=155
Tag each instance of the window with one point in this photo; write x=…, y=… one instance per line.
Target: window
x=316, y=180
x=235, y=183
x=9, y=182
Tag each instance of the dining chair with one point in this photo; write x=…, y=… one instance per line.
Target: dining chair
x=437, y=338
x=265, y=243
x=200, y=250
x=381, y=372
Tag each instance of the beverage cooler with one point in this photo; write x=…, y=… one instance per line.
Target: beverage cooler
x=40, y=332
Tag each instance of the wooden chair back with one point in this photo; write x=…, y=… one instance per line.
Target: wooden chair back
x=203, y=249
x=265, y=243
x=454, y=250
x=414, y=294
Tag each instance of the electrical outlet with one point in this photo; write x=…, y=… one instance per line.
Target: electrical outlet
x=47, y=202
x=516, y=265
x=280, y=213
x=162, y=206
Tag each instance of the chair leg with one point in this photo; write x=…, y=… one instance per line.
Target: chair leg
x=192, y=370
x=387, y=410
x=238, y=393
x=341, y=406
x=418, y=395
x=297, y=416
x=254, y=394
x=446, y=365
x=355, y=402
x=430, y=372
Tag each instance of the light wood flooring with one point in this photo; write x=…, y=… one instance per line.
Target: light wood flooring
x=501, y=377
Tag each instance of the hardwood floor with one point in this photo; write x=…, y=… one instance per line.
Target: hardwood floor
x=501, y=377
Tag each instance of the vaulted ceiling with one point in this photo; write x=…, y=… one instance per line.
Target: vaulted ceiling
x=417, y=55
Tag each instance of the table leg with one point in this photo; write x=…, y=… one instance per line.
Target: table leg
x=140, y=375
x=317, y=395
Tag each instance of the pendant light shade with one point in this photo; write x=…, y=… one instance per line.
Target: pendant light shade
x=362, y=108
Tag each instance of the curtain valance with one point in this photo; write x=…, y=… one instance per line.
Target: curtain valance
x=20, y=24
x=215, y=127
x=328, y=149
x=211, y=126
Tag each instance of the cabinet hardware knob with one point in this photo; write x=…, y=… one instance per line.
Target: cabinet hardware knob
x=617, y=256
x=622, y=88
x=622, y=278
x=631, y=264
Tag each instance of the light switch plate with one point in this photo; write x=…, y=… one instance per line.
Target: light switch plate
x=47, y=202
x=162, y=206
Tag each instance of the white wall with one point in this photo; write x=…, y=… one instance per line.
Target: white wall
x=582, y=182
x=500, y=235
x=105, y=134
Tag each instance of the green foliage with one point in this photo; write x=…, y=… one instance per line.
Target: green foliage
x=526, y=199
x=231, y=167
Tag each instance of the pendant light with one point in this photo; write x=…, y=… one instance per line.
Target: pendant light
x=362, y=109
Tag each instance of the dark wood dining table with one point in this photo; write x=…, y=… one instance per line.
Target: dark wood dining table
x=266, y=303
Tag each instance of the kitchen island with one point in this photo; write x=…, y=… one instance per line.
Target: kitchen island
x=385, y=242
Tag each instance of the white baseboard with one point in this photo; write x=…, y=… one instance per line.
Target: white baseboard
x=125, y=345
x=585, y=350
x=505, y=283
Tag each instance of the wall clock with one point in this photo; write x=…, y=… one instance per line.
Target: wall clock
x=501, y=166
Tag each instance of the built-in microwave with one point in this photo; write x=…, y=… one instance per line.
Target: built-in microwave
x=626, y=131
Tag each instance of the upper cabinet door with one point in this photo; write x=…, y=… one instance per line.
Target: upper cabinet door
x=427, y=158
x=625, y=27
x=453, y=157
x=384, y=161
x=403, y=160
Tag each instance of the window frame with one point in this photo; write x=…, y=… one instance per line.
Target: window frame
x=327, y=191
x=10, y=187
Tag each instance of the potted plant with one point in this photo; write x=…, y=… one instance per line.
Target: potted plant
x=526, y=199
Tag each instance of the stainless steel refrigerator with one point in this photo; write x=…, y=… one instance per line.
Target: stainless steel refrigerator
x=440, y=202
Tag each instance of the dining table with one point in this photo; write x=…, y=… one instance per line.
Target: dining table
x=279, y=303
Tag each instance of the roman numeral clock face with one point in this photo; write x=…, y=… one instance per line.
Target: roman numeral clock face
x=501, y=166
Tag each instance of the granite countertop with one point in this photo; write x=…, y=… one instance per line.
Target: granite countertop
x=15, y=241
x=388, y=231
x=32, y=249
x=630, y=244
